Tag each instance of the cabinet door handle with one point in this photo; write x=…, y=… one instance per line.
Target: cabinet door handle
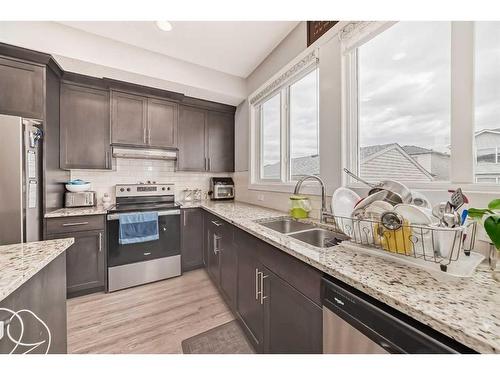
x=262, y=296
x=208, y=167
x=256, y=284
x=184, y=218
x=216, y=223
x=216, y=244
x=206, y=164
x=149, y=136
x=144, y=134
x=100, y=242
x=75, y=224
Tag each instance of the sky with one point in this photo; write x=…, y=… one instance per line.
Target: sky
x=404, y=84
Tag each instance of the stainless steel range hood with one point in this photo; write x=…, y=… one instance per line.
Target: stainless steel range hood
x=144, y=153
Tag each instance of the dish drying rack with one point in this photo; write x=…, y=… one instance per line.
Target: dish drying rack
x=432, y=244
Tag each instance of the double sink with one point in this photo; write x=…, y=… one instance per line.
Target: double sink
x=305, y=232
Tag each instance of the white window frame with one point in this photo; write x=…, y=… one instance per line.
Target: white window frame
x=284, y=183
x=463, y=153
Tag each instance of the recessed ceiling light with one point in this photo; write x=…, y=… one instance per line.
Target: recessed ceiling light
x=164, y=25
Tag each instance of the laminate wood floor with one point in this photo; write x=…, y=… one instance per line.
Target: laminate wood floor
x=153, y=318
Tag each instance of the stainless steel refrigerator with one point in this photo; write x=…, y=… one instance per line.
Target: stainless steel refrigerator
x=20, y=180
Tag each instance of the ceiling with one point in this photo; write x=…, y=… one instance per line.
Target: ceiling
x=235, y=48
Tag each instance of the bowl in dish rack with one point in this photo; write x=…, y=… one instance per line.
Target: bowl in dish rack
x=78, y=188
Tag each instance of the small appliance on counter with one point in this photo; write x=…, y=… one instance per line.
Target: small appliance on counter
x=221, y=188
x=80, y=199
x=78, y=194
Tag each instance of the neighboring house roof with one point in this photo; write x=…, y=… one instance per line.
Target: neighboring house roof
x=417, y=150
x=496, y=131
x=391, y=161
x=300, y=166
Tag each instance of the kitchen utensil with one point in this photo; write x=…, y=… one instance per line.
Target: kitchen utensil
x=359, y=210
x=420, y=200
x=413, y=214
x=300, y=206
x=438, y=211
x=77, y=182
x=375, y=210
x=342, y=205
x=401, y=193
x=343, y=202
x=464, y=216
x=76, y=188
x=357, y=178
x=446, y=240
x=458, y=198
x=391, y=220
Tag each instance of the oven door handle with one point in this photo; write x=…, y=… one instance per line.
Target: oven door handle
x=111, y=217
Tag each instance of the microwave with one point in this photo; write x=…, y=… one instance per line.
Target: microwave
x=80, y=199
x=221, y=188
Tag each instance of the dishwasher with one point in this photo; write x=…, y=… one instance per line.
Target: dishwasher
x=355, y=323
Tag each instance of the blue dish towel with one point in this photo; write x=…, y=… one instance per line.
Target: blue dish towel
x=138, y=227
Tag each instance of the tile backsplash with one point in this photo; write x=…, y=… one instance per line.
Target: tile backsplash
x=132, y=171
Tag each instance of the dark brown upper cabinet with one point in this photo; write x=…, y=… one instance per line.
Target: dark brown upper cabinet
x=84, y=121
x=206, y=140
x=141, y=121
x=22, y=91
x=162, y=123
x=129, y=119
x=220, y=142
x=192, y=139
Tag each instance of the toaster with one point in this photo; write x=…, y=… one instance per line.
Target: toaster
x=80, y=199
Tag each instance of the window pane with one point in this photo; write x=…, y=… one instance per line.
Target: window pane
x=486, y=180
x=304, y=132
x=404, y=103
x=486, y=155
x=487, y=100
x=271, y=138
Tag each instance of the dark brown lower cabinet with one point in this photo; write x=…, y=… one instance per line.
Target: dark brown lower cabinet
x=85, y=262
x=273, y=295
x=86, y=259
x=292, y=322
x=192, y=238
x=228, y=265
x=248, y=306
x=221, y=255
x=213, y=252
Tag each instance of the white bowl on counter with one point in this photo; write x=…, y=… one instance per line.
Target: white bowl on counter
x=78, y=188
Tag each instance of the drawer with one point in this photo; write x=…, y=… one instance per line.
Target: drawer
x=74, y=224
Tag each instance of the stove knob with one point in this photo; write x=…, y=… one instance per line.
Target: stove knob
x=128, y=189
x=163, y=188
x=122, y=190
x=168, y=188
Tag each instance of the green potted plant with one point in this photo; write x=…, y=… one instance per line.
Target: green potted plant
x=490, y=219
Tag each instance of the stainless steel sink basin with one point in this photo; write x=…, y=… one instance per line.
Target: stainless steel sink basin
x=318, y=237
x=287, y=225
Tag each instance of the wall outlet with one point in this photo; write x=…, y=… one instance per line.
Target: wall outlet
x=260, y=197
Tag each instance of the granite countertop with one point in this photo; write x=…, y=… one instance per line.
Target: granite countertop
x=19, y=262
x=77, y=211
x=467, y=310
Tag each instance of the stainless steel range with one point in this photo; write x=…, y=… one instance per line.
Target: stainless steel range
x=139, y=263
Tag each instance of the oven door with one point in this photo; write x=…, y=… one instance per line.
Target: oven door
x=167, y=245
